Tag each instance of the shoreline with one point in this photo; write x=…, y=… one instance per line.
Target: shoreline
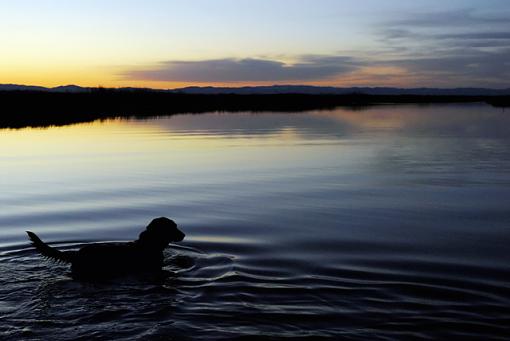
x=42, y=109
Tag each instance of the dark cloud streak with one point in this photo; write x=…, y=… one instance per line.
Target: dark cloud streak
x=476, y=35
x=464, y=47
x=466, y=18
x=308, y=68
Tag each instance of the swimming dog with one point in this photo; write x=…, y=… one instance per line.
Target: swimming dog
x=107, y=260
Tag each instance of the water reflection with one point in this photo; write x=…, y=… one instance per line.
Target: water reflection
x=329, y=222
x=474, y=120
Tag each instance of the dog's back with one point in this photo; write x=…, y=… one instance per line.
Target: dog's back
x=115, y=259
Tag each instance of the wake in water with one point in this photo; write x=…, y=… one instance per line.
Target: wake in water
x=221, y=296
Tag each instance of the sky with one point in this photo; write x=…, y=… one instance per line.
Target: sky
x=170, y=44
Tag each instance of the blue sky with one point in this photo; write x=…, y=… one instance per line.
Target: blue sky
x=322, y=42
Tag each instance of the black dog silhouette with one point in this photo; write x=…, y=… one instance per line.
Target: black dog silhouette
x=107, y=260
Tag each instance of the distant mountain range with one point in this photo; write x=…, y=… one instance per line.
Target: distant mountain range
x=283, y=89
x=65, y=88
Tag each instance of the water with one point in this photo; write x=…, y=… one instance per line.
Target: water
x=386, y=223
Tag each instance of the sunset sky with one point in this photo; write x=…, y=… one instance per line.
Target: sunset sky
x=168, y=44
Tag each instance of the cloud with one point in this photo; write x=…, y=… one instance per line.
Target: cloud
x=461, y=18
x=462, y=48
x=308, y=68
x=489, y=69
x=476, y=36
x=453, y=26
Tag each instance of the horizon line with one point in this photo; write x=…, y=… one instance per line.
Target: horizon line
x=251, y=86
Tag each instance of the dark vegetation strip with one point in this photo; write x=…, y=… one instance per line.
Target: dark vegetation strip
x=38, y=109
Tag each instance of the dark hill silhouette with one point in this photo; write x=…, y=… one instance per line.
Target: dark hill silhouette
x=284, y=89
x=325, y=90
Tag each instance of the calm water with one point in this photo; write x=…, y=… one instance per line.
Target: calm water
x=386, y=223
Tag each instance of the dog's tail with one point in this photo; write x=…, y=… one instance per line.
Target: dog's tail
x=49, y=252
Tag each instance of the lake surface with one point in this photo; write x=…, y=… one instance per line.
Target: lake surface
x=391, y=222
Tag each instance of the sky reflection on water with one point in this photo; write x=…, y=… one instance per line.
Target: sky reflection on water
x=409, y=203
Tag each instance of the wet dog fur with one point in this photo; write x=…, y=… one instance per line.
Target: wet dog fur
x=108, y=260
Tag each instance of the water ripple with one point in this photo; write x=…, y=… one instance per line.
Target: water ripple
x=391, y=223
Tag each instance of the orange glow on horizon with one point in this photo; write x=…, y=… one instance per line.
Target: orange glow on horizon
x=106, y=77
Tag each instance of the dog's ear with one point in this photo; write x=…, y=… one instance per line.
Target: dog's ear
x=144, y=236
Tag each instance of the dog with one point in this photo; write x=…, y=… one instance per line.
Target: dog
x=108, y=260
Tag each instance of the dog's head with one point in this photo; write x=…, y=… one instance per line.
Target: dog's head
x=159, y=233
